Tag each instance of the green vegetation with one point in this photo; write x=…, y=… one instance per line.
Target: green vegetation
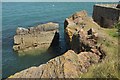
x=110, y=66
x=113, y=32
x=117, y=26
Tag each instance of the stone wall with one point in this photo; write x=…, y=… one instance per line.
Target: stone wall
x=106, y=15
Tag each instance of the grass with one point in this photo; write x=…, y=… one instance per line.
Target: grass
x=110, y=66
x=112, y=32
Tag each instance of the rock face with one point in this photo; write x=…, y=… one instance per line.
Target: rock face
x=78, y=38
x=106, y=15
x=69, y=65
x=39, y=37
x=83, y=51
x=73, y=24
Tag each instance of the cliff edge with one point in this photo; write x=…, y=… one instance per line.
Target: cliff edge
x=82, y=53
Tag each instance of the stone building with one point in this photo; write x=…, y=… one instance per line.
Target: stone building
x=106, y=15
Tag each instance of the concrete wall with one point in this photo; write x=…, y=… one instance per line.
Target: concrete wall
x=106, y=16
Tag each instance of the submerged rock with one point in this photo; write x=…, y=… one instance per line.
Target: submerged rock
x=68, y=65
x=39, y=37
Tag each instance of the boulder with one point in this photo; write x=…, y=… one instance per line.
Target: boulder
x=68, y=65
x=39, y=37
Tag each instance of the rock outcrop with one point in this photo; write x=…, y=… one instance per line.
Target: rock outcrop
x=40, y=37
x=79, y=36
x=73, y=24
x=106, y=15
x=83, y=51
x=68, y=65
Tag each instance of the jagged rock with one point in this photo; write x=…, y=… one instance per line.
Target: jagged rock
x=76, y=37
x=68, y=65
x=39, y=37
x=75, y=19
x=80, y=14
x=79, y=39
x=72, y=25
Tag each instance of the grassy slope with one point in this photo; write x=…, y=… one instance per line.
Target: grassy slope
x=108, y=68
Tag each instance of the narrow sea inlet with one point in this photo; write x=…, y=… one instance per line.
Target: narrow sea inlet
x=31, y=14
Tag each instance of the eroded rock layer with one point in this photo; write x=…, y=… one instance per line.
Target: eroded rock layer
x=69, y=65
x=83, y=51
x=39, y=37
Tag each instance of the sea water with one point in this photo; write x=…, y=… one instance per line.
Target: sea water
x=26, y=14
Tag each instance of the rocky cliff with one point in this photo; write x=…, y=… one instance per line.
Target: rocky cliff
x=40, y=37
x=83, y=51
x=106, y=15
x=80, y=33
x=69, y=65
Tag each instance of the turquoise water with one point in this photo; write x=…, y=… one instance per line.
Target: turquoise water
x=30, y=14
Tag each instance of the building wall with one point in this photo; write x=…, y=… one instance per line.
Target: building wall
x=106, y=16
